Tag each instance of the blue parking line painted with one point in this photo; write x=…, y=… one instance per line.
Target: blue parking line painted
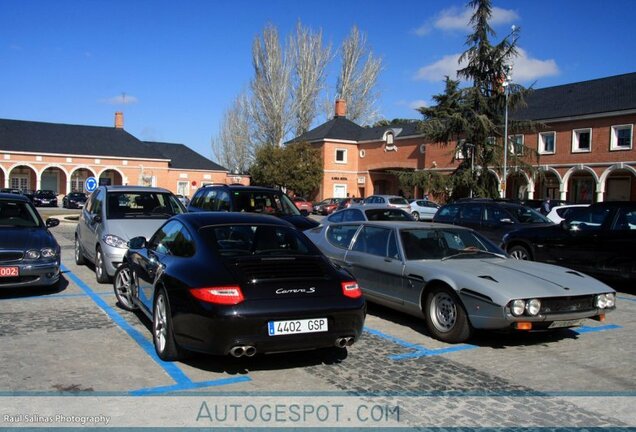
x=586, y=329
x=188, y=386
x=632, y=299
x=55, y=296
x=419, y=350
x=171, y=369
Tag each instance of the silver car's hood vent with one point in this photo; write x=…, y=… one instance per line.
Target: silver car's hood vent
x=489, y=278
x=572, y=272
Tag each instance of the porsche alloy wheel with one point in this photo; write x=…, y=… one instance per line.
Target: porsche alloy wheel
x=445, y=316
x=123, y=286
x=162, y=332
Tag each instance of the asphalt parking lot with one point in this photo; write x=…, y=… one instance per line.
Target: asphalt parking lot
x=78, y=343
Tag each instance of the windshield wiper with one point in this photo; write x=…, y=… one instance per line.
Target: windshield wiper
x=472, y=252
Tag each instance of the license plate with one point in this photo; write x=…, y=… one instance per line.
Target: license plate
x=9, y=271
x=276, y=328
x=568, y=323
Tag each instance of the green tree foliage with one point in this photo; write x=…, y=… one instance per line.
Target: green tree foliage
x=473, y=117
x=296, y=167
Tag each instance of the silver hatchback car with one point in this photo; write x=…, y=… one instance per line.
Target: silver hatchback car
x=115, y=214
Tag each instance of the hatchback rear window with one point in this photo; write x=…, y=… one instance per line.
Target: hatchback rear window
x=244, y=240
x=398, y=201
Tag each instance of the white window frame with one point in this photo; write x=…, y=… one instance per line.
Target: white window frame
x=183, y=190
x=511, y=144
x=459, y=154
x=575, y=140
x=542, y=149
x=337, y=185
x=614, y=137
x=344, y=154
x=22, y=181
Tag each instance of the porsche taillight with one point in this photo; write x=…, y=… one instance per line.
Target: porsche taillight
x=351, y=289
x=224, y=295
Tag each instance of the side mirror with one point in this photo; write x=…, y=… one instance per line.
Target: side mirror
x=97, y=219
x=506, y=220
x=52, y=222
x=304, y=212
x=137, y=242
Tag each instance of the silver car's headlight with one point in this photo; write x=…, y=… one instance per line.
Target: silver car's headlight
x=517, y=307
x=115, y=241
x=533, y=306
x=32, y=254
x=605, y=300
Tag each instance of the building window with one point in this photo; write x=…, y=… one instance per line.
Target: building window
x=389, y=138
x=581, y=140
x=459, y=152
x=516, y=145
x=183, y=188
x=621, y=137
x=547, y=142
x=341, y=156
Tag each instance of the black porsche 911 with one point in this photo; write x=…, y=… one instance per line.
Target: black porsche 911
x=238, y=284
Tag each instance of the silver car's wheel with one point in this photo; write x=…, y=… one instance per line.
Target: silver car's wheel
x=100, y=267
x=520, y=253
x=415, y=215
x=443, y=311
x=79, y=256
x=123, y=286
x=445, y=315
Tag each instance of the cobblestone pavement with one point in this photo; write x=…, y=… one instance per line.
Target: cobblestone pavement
x=76, y=339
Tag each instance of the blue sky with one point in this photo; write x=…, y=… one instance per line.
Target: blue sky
x=181, y=63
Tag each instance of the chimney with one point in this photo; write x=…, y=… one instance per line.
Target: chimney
x=341, y=108
x=119, y=120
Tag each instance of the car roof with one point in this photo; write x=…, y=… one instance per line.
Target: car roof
x=405, y=224
x=128, y=188
x=614, y=204
x=242, y=187
x=201, y=219
x=13, y=197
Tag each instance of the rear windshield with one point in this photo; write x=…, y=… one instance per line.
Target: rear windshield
x=398, y=201
x=18, y=214
x=244, y=240
x=527, y=215
x=388, y=215
x=268, y=202
x=136, y=205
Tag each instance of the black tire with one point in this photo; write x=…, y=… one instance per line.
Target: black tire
x=520, y=252
x=123, y=287
x=79, y=256
x=162, y=332
x=416, y=215
x=100, y=267
x=445, y=316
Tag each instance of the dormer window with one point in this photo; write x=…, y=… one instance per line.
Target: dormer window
x=389, y=138
x=389, y=145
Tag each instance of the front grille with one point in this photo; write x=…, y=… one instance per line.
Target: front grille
x=7, y=256
x=567, y=304
x=283, y=268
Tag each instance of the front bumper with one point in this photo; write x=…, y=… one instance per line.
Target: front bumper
x=215, y=330
x=113, y=257
x=36, y=274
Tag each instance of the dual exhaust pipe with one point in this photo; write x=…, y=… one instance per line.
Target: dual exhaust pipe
x=243, y=350
x=345, y=341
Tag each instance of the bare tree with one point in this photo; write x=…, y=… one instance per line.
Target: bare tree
x=309, y=62
x=234, y=147
x=358, y=78
x=271, y=102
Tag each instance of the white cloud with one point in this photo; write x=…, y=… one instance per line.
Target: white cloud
x=524, y=68
x=447, y=65
x=122, y=99
x=419, y=103
x=453, y=19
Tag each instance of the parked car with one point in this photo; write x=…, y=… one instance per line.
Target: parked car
x=303, y=205
x=423, y=209
x=250, y=199
x=115, y=214
x=389, y=200
x=11, y=191
x=45, y=198
x=458, y=281
x=74, y=200
x=29, y=254
x=238, y=284
x=557, y=214
x=490, y=218
x=348, y=202
x=368, y=212
x=598, y=239
x=184, y=199
x=327, y=206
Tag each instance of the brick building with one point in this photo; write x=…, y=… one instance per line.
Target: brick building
x=586, y=151
x=59, y=157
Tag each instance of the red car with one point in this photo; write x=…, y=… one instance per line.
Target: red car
x=329, y=205
x=302, y=204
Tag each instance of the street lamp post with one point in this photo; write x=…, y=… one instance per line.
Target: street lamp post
x=506, y=86
x=472, y=165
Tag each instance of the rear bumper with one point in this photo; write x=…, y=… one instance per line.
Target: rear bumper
x=218, y=330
